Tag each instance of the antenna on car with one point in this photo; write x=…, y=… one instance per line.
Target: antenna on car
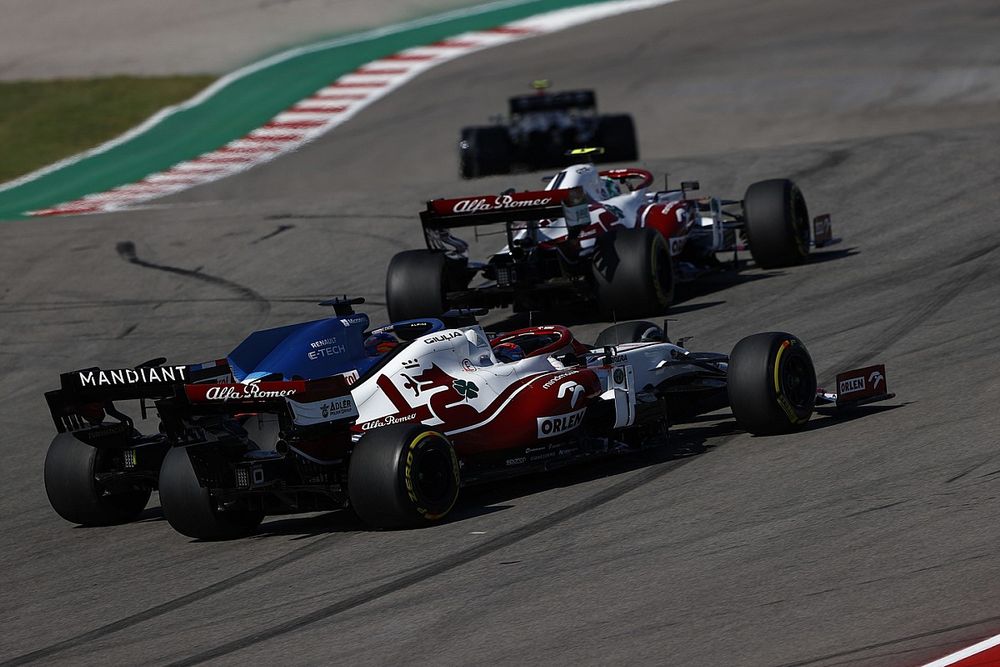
x=342, y=305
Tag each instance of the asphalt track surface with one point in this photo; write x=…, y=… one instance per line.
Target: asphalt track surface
x=166, y=37
x=866, y=541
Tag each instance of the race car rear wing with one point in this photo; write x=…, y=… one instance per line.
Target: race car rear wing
x=85, y=396
x=568, y=203
x=307, y=402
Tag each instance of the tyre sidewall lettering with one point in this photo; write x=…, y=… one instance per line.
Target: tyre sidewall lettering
x=408, y=476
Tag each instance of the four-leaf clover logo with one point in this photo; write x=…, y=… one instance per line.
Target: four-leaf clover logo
x=467, y=389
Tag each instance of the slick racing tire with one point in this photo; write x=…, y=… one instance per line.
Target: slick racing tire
x=634, y=275
x=777, y=223
x=189, y=507
x=616, y=134
x=403, y=476
x=74, y=492
x=415, y=285
x=483, y=151
x=629, y=332
x=771, y=384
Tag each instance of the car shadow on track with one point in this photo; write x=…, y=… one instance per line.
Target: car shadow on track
x=700, y=435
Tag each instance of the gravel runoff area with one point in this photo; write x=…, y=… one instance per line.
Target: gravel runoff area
x=87, y=38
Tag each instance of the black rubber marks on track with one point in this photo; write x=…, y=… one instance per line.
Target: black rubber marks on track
x=442, y=565
x=126, y=250
x=172, y=605
x=641, y=478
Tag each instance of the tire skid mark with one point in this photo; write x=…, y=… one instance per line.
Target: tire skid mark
x=442, y=565
x=171, y=605
x=909, y=322
x=126, y=250
x=891, y=642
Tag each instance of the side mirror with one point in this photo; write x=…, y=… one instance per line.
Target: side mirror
x=690, y=185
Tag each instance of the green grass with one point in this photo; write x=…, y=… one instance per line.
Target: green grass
x=44, y=121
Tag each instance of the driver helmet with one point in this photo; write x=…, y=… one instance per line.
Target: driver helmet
x=380, y=343
x=508, y=352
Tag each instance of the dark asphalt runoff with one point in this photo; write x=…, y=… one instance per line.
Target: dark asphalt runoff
x=869, y=540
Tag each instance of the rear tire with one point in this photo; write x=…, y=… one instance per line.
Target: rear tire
x=616, y=134
x=189, y=507
x=634, y=274
x=777, y=223
x=415, y=285
x=73, y=490
x=403, y=476
x=629, y=332
x=771, y=383
x=484, y=151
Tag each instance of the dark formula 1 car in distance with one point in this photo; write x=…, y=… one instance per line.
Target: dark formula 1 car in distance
x=391, y=422
x=540, y=129
x=596, y=237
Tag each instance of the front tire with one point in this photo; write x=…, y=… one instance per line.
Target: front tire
x=403, y=476
x=634, y=274
x=415, y=285
x=777, y=223
x=771, y=383
x=74, y=492
x=190, y=508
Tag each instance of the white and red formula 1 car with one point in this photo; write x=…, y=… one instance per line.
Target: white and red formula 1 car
x=392, y=422
x=605, y=237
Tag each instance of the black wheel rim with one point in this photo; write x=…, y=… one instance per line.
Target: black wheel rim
x=433, y=474
x=798, y=384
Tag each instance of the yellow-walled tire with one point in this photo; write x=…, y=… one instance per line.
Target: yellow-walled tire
x=771, y=383
x=403, y=476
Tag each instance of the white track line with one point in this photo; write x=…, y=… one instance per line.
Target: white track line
x=330, y=106
x=958, y=656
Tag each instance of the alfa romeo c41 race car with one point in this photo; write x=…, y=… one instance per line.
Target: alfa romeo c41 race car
x=604, y=237
x=391, y=422
x=539, y=131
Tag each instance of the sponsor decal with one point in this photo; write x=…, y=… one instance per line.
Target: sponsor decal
x=467, y=389
x=127, y=376
x=328, y=347
x=562, y=376
x=851, y=385
x=861, y=384
x=244, y=392
x=468, y=365
x=388, y=420
x=558, y=424
x=340, y=407
x=502, y=202
x=619, y=376
x=576, y=216
x=326, y=410
x=440, y=338
x=875, y=378
x=350, y=321
x=350, y=377
x=571, y=386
